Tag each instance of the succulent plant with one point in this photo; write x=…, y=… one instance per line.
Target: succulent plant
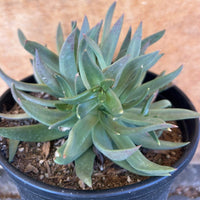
x=99, y=101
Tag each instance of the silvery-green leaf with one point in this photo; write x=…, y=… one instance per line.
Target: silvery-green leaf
x=25, y=86
x=138, y=161
x=15, y=116
x=94, y=46
x=49, y=57
x=125, y=44
x=107, y=23
x=102, y=142
x=22, y=37
x=84, y=108
x=59, y=37
x=40, y=101
x=109, y=44
x=84, y=29
x=146, y=107
x=154, y=84
x=82, y=97
x=40, y=113
x=67, y=63
x=84, y=166
x=138, y=119
x=135, y=43
x=136, y=101
x=151, y=40
x=79, y=140
x=106, y=84
x=127, y=75
x=90, y=73
x=31, y=133
x=64, y=84
x=13, y=145
x=112, y=103
x=161, y=104
x=112, y=71
x=73, y=25
x=46, y=74
x=120, y=129
x=148, y=142
x=169, y=114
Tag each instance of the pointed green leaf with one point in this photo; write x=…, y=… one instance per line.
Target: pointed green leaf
x=15, y=116
x=40, y=101
x=67, y=63
x=73, y=25
x=170, y=114
x=84, y=29
x=78, y=142
x=107, y=23
x=90, y=73
x=93, y=45
x=154, y=84
x=31, y=133
x=106, y=84
x=22, y=37
x=40, y=113
x=50, y=58
x=135, y=44
x=84, y=166
x=66, y=88
x=148, y=142
x=146, y=107
x=125, y=44
x=112, y=71
x=46, y=74
x=102, y=142
x=112, y=103
x=146, y=42
x=82, y=97
x=161, y=104
x=120, y=129
x=109, y=44
x=25, y=86
x=138, y=161
x=13, y=145
x=59, y=37
x=83, y=109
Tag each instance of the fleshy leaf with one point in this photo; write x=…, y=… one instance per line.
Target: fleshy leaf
x=120, y=129
x=90, y=72
x=109, y=44
x=91, y=43
x=31, y=133
x=46, y=74
x=83, y=109
x=15, y=116
x=13, y=145
x=151, y=40
x=138, y=161
x=154, y=84
x=24, y=86
x=67, y=63
x=59, y=37
x=50, y=58
x=102, y=142
x=22, y=37
x=125, y=45
x=84, y=29
x=112, y=103
x=148, y=142
x=40, y=113
x=79, y=140
x=107, y=23
x=135, y=43
x=82, y=97
x=84, y=166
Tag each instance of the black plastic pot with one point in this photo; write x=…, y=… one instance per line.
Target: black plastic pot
x=155, y=188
